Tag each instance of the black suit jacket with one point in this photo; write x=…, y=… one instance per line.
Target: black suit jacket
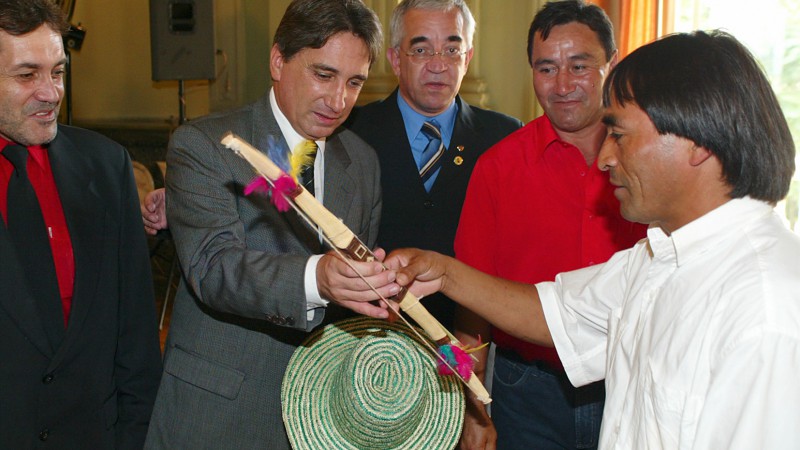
x=94, y=387
x=411, y=216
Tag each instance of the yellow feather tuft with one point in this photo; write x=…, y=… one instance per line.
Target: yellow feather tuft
x=302, y=156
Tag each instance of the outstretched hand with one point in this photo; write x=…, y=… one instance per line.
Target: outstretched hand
x=339, y=283
x=422, y=272
x=154, y=214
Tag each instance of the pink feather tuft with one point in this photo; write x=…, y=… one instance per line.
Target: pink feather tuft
x=259, y=184
x=456, y=358
x=281, y=188
x=283, y=185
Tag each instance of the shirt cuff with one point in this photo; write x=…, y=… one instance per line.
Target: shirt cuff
x=313, y=299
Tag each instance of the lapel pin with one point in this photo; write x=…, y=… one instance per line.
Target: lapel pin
x=460, y=148
x=458, y=160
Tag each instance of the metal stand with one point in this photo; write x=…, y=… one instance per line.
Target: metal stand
x=181, y=103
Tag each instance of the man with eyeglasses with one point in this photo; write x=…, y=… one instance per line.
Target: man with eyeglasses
x=431, y=47
x=569, y=219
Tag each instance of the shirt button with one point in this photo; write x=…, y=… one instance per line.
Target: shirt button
x=47, y=379
x=429, y=204
x=44, y=434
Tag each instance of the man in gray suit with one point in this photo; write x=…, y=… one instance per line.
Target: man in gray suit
x=255, y=281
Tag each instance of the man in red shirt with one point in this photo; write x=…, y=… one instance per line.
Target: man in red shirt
x=538, y=205
x=79, y=352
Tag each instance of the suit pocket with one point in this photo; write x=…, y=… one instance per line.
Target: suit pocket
x=204, y=374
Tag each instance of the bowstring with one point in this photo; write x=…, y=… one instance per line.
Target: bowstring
x=347, y=261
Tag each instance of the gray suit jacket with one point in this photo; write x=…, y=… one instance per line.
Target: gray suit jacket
x=240, y=310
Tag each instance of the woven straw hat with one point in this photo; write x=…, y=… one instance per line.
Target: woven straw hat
x=369, y=384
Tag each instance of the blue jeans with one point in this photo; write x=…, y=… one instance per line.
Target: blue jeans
x=536, y=407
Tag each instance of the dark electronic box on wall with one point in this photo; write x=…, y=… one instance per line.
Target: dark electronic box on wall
x=182, y=41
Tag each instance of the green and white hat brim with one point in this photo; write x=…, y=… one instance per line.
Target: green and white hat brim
x=369, y=384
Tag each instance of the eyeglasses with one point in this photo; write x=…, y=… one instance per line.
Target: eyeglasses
x=425, y=54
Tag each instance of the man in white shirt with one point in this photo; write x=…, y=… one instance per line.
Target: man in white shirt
x=696, y=329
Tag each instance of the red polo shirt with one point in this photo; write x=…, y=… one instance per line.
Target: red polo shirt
x=41, y=176
x=533, y=209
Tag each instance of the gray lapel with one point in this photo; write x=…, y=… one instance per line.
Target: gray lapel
x=340, y=181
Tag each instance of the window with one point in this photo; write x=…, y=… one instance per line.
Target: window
x=771, y=30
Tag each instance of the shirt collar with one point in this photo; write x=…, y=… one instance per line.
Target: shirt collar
x=546, y=136
x=413, y=120
x=37, y=152
x=293, y=138
x=707, y=231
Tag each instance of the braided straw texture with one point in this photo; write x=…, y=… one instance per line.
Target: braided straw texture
x=369, y=384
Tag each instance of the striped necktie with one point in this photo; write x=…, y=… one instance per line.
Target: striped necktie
x=431, y=159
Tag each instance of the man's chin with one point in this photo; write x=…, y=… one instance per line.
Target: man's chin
x=42, y=137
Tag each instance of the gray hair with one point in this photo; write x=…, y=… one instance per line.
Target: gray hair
x=396, y=25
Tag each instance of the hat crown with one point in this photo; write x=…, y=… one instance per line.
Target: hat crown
x=369, y=384
x=380, y=390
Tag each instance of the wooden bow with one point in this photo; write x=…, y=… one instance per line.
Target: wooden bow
x=345, y=240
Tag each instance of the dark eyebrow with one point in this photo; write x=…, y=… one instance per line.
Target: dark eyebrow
x=610, y=120
x=34, y=66
x=324, y=67
x=571, y=58
x=418, y=39
x=335, y=71
x=543, y=61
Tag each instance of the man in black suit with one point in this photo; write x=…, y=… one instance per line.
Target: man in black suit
x=78, y=340
x=431, y=47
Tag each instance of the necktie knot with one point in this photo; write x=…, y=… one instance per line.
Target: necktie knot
x=431, y=130
x=17, y=155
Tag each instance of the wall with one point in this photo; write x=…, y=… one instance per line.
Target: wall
x=112, y=72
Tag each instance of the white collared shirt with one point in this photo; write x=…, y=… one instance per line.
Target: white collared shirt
x=293, y=139
x=697, y=334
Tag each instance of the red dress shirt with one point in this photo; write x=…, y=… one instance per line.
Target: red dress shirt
x=41, y=176
x=533, y=209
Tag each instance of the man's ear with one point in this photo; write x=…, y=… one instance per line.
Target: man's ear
x=614, y=60
x=276, y=61
x=393, y=55
x=698, y=155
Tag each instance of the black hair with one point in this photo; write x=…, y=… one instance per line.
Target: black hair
x=708, y=88
x=310, y=23
x=568, y=11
